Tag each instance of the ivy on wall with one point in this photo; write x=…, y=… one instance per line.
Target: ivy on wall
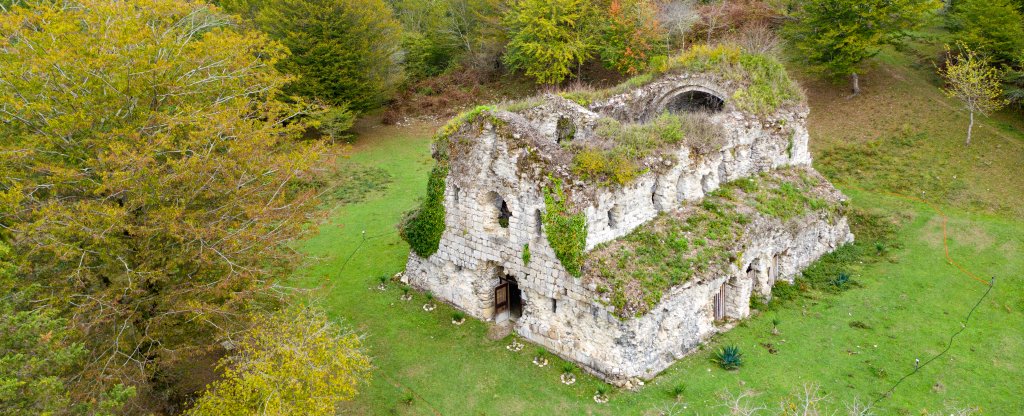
x=423, y=226
x=566, y=231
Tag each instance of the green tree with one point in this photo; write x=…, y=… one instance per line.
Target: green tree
x=149, y=184
x=836, y=36
x=343, y=52
x=443, y=33
x=994, y=28
x=295, y=362
x=548, y=38
x=631, y=36
x=974, y=82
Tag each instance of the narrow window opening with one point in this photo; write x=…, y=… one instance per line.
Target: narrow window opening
x=613, y=217
x=706, y=183
x=455, y=194
x=719, y=303
x=565, y=130
x=504, y=215
x=681, y=188
x=538, y=222
x=554, y=305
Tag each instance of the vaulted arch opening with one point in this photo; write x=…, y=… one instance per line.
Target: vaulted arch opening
x=694, y=101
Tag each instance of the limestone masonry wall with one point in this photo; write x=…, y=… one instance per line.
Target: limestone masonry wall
x=560, y=311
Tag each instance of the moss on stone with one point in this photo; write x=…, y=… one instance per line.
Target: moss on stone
x=699, y=239
x=632, y=143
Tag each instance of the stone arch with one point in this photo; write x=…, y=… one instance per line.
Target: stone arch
x=690, y=98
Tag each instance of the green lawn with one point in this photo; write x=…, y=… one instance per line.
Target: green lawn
x=908, y=306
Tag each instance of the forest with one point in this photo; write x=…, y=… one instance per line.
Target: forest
x=168, y=169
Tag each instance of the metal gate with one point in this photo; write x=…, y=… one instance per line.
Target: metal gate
x=501, y=298
x=720, y=303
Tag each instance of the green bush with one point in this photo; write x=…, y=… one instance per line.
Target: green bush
x=422, y=227
x=729, y=357
x=566, y=231
x=336, y=121
x=526, y=254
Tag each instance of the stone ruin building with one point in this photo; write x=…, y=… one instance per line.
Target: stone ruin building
x=653, y=262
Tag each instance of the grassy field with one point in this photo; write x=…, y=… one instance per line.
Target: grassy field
x=901, y=135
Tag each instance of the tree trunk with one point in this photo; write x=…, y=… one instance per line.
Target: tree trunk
x=855, y=84
x=970, y=127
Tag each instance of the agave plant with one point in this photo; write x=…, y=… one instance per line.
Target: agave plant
x=729, y=357
x=841, y=280
x=568, y=368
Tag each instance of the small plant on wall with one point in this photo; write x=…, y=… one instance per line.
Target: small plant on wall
x=729, y=358
x=526, y=254
x=429, y=306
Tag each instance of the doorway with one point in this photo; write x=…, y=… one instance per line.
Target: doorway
x=508, y=298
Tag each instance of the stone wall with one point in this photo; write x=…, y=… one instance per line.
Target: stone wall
x=562, y=312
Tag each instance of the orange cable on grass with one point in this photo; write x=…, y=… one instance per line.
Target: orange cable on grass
x=945, y=235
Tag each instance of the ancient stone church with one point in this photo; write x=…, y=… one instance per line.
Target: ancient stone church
x=621, y=228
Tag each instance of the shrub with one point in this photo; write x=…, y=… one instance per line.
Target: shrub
x=568, y=368
x=422, y=227
x=678, y=390
x=729, y=357
x=458, y=316
x=526, y=254
x=335, y=122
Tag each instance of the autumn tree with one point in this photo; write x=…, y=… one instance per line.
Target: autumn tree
x=836, y=36
x=974, y=82
x=150, y=185
x=631, y=36
x=343, y=52
x=294, y=362
x=550, y=38
x=39, y=356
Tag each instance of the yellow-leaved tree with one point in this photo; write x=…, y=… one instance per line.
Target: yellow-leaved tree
x=971, y=80
x=294, y=362
x=151, y=183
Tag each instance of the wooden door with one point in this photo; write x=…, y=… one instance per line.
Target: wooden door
x=501, y=298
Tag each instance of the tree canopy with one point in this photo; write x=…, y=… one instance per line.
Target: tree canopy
x=994, y=28
x=836, y=36
x=549, y=38
x=343, y=52
x=149, y=183
x=294, y=362
x=631, y=36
